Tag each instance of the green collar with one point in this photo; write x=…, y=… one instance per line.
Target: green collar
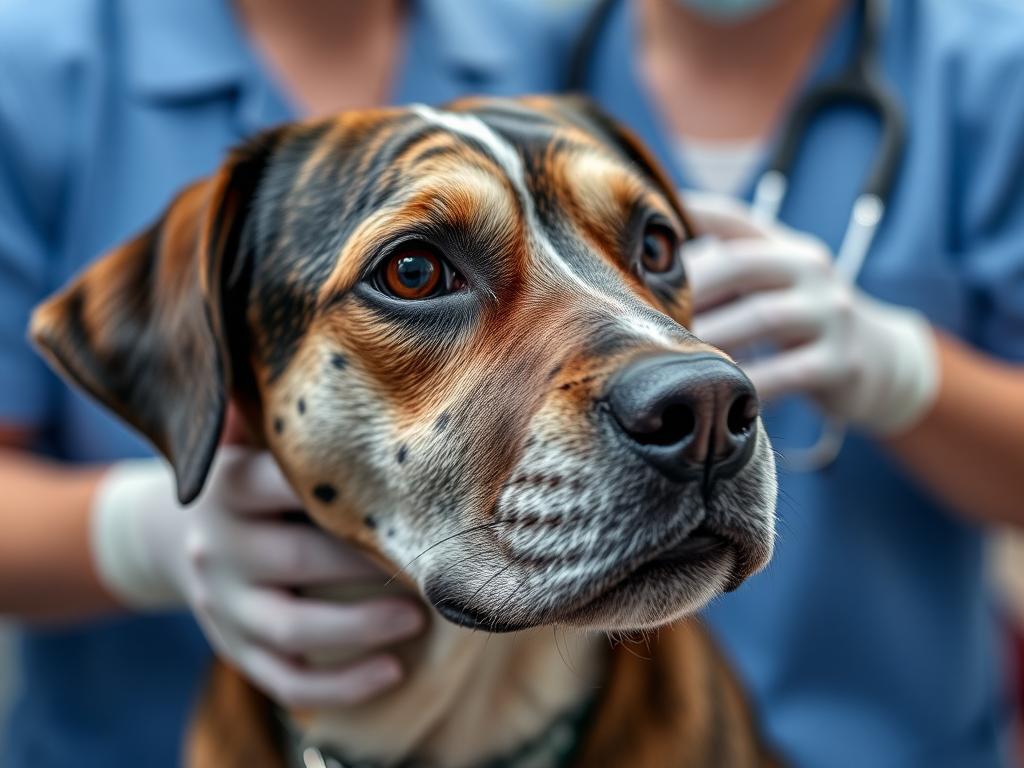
x=555, y=747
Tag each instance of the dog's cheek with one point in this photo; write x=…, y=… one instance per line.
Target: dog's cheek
x=335, y=439
x=323, y=424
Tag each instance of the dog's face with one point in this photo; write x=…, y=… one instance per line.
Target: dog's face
x=462, y=334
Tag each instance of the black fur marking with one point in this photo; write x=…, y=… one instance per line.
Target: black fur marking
x=301, y=406
x=390, y=532
x=433, y=152
x=403, y=451
x=325, y=492
x=442, y=421
x=339, y=361
x=278, y=425
x=369, y=522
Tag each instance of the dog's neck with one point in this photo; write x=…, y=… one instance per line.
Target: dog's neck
x=468, y=697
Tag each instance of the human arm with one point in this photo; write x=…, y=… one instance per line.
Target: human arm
x=968, y=449
x=46, y=572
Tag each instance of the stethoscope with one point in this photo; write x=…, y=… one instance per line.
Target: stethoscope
x=861, y=83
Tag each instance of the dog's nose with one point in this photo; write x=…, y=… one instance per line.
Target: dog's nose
x=690, y=416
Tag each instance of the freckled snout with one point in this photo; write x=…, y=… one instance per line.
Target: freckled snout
x=691, y=417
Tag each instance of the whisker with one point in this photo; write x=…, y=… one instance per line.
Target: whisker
x=489, y=580
x=463, y=532
x=508, y=599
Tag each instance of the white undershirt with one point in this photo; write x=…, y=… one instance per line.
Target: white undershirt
x=724, y=167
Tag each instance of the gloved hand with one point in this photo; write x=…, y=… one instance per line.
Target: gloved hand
x=865, y=362
x=235, y=562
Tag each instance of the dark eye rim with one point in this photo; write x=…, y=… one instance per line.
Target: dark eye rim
x=667, y=237
x=656, y=221
x=451, y=280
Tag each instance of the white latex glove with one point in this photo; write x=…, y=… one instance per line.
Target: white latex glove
x=865, y=362
x=235, y=562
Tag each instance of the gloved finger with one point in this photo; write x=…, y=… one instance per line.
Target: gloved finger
x=297, y=625
x=782, y=317
x=722, y=216
x=292, y=553
x=300, y=687
x=807, y=369
x=720, y=271
x=250, y=482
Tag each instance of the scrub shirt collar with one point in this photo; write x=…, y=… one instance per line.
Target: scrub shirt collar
x=192, y=49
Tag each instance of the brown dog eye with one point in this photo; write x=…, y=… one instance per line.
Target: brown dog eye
x=658, y=249
x=415, y=271
x=413, y=274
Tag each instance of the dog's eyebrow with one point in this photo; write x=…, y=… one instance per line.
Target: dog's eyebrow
x=511, y=162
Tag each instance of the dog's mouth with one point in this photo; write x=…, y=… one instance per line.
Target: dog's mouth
x=700, y=545
x=689, y=562
x=685, y=564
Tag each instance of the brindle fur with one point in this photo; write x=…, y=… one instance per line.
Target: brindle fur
x=474, y=419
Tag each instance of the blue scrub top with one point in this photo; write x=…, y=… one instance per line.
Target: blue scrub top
x=871, y=639
x=107, y=107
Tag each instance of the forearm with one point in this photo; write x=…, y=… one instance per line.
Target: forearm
x=46, y=567
x=969, y=449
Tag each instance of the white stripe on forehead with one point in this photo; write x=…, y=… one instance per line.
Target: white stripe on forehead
x=512, y=164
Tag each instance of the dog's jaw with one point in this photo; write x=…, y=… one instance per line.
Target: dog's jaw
x=579, y=539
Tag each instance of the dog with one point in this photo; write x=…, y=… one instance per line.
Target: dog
x=462, y=332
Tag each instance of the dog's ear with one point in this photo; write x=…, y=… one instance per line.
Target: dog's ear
x=585, y=114
x=155, y=329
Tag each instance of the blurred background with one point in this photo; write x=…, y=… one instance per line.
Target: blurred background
x=892, y=620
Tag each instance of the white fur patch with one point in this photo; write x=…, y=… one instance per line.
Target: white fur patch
x=512, y=164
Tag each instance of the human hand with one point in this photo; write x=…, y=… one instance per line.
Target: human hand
x=865, y=362
x=236, y=563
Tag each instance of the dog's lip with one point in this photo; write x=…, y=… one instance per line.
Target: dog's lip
x=466, y=617
x=701, y=546
x=698, y=545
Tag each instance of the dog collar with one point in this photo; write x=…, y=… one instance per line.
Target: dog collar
x=555, y=747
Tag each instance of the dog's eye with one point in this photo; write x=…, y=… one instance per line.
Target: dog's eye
x=658, y=249
x=417, y=272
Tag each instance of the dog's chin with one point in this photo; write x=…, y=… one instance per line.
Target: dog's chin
x=659, y=590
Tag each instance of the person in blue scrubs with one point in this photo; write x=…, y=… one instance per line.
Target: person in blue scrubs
x=871, y=639
x=107, y=108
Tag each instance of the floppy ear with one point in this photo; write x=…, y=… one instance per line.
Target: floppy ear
x=155, y=329
x=584, y=113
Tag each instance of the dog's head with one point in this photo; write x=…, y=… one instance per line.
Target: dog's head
x=463, y=335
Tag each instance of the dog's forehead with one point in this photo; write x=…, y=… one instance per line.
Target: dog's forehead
x=486, y=163
x=328, y=177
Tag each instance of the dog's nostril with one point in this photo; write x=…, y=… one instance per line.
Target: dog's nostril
x=693, y=417
x=742, y=414
x=678, y=422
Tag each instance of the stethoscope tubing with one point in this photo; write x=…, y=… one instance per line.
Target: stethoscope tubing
x=860, y=84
